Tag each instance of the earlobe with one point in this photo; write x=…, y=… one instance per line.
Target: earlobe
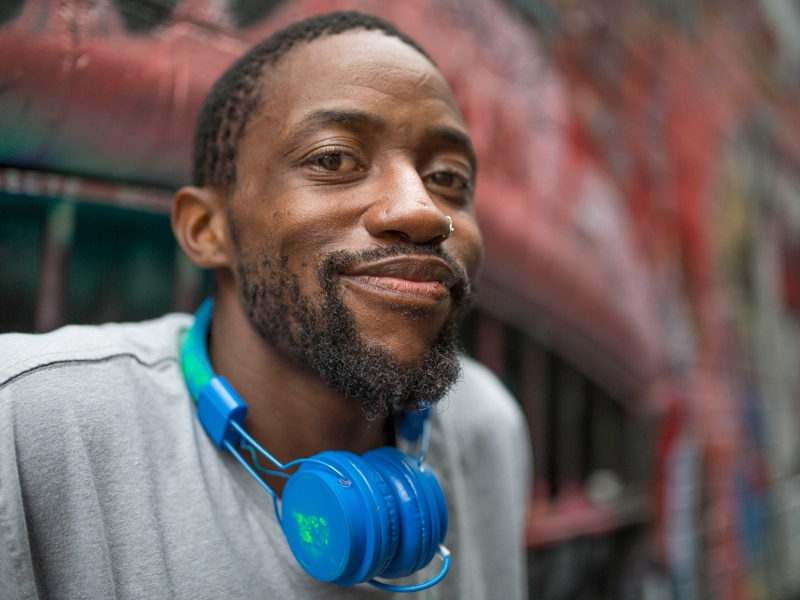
x=200, y=226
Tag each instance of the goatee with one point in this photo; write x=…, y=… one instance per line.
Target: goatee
x=324, y=336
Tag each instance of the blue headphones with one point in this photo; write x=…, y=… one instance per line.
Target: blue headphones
x=347, y=518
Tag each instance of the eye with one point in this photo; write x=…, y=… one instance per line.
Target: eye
x=449, y=180
x=340, y=163
x=336, y=162
x=450, y=183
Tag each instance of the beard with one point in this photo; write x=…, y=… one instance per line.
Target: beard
x=324, y=336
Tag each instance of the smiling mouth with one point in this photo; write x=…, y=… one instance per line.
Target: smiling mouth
x=415, y=280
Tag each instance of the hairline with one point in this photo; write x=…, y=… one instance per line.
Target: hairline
x=220, y=171
x=268, y=70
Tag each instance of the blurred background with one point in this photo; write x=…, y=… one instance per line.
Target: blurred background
x=639, y=193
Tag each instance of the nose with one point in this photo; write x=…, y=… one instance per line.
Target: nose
x=404, y=209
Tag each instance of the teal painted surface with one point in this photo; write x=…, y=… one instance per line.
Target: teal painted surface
x=121, y=264
x=22, y=225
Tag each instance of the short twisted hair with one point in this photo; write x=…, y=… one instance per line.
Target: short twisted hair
x=238, y=92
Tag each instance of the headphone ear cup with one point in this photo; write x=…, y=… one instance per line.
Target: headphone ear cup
x=422, y=509
x=340, y=529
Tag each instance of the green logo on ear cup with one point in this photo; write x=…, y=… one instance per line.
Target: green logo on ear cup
x=313, y=531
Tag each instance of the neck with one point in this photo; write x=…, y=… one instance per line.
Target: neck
x=291, y=413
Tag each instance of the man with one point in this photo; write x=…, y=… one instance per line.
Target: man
x=333, y=200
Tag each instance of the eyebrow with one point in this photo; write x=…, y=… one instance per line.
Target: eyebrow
x=455, y=137
x=323, y=117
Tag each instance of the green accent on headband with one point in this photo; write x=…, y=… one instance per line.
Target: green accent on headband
x=196, y=366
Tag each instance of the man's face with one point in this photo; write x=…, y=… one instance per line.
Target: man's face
x=345, y=178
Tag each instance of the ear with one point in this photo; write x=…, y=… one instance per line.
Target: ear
x=200, y=226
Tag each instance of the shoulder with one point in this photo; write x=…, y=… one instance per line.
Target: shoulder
x=88, y=381
x=481, y=403
x=480, y=450
x=98, y=390
x=146, y=342
x=481, y=422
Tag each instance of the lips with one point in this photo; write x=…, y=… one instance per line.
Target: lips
x=407, y=277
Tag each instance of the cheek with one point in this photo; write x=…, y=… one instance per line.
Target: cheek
x=297, y=245
x=277, y=232
x=467, y=245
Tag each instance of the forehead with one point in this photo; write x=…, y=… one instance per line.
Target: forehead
x=357, y=71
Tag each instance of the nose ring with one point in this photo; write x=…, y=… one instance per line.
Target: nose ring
x=450, y=228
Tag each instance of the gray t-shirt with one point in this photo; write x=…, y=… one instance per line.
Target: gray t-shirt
x=110, y=488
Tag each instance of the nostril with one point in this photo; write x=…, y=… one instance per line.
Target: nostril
x=402, y=235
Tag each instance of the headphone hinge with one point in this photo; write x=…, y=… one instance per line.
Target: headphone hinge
x=217, y=408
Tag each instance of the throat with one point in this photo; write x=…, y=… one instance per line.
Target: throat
x=311, y=438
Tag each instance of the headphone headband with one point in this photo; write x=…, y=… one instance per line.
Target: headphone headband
x=197, y=370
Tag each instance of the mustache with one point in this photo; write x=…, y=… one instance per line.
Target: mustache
x=344, y=260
